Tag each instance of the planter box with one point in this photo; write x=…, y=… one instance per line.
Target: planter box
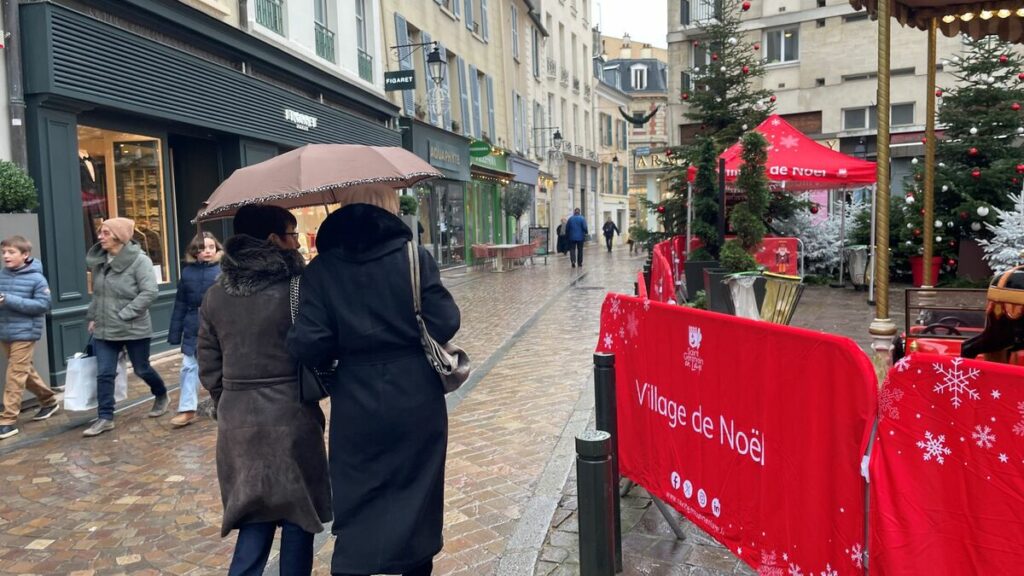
x=917, y=270
x=26, y=225
x=719, y=296
x=694, y=272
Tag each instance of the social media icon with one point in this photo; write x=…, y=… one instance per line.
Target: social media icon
x=716, y=507
x=676, y=480
x=687, y=489
x=702, y=498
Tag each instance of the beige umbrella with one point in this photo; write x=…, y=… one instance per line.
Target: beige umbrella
x=313, y=175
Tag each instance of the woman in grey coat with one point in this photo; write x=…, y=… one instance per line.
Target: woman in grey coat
x=123, y=289
x=271, y=458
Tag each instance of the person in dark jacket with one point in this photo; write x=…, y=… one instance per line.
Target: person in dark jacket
x=123, y=289
x=609, y=229
x=562, y=246
x=389, y=424
x=271, y=459
x=576, y=232
x=203, y=255
x=24, y=300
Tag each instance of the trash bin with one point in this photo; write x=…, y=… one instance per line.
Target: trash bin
x=858, y=261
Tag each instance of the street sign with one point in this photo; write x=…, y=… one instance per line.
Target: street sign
x=400, y=80
x=643, y=151
x=479, y=149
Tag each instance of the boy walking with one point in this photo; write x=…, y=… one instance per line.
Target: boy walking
x=24, y=300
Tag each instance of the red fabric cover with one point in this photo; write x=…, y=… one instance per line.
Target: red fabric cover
x=947, y=469
x=782, y=488
x=663, y=288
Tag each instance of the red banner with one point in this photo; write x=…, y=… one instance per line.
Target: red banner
x=752, y=430
x=779, y=255
x=947, y=469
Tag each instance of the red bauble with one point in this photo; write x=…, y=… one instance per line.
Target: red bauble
x=976, y=173
x=917, y=232
x=922, y=211
x=938, y=93
x=746, y=69
x=1020, y=168
x=745, y=6
x=951, y=262
x=714, y=56
x=964, y=215
x=1020, y=76
x=661, y=209
x=1015, y=106
x=952, y=243
x=757, y=45
x=924, y=140
x=772, y=98
x=696, y=43
x=1003, y=59
x=686, y=96
x=814, y=208
x=972, y=151
x=1014, y=180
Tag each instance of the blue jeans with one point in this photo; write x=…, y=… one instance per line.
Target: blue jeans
x=189, y=398
x=253, y=548
x=106, y=352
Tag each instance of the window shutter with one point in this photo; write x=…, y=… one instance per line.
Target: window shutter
x=483, y=21
x=490, y=108
x=684, y=12
x=469, y=14
x=446, y=84
x=463, y=95
x=430, y=84
x=515, y=121
x=474, y=88
x=456, y=8
x=404, y=62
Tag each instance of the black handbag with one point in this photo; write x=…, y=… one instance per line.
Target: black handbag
x=313, y=382
x=449, y=361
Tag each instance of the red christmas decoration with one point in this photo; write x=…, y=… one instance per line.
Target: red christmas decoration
x=1014, y=180
x=814, y=208
x=772, y=98
x=745, y=6
x=686, y=95
x=924, y=140
x=757, y=45
x=922, y=211
x=964, y=215
x=746, y=69
x=696, y=43
x=714, y=56
x=938, y=93
x=1020, y=168
x=1015, y=106
x=661, y=209
x=917, y=232
x=1003, y=59
x=976, y=173
x=972, y=151
x=1020, y=76
x=951, y=262
x=952, y=243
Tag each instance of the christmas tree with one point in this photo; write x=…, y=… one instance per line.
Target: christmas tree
x=1006, y=247
x=748, y=217
x=821, y=239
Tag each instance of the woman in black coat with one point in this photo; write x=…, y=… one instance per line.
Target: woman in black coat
x=389, y=424
x=562, y=245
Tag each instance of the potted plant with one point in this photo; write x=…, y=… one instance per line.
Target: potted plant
x=516, y=199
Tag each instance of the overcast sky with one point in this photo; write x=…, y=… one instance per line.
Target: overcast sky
x=647, y=24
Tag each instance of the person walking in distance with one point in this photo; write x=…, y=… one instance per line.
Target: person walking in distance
x=576, y=232
x=609, y=230
x=271, y=458
x=24, y=300
x=562, y=245
x=123, y=289
x=203, y=256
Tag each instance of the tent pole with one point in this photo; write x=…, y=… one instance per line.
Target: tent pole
x=871, y=282
x=929, y=161
x=882, y=328
x=842, y=237
x=689, y=217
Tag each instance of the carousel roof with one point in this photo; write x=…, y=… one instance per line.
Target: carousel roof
x=1004, y=18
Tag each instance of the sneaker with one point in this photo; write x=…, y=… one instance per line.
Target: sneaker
x=45, y=412
x=57, y=388
x=8, y=430
x=98, y=427
x=184, y=419
x=159, y=407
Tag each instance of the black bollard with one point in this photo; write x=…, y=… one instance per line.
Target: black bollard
x=594, y=502
x=607, y=420
x=647, y=275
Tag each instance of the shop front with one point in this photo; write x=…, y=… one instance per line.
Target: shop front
x=486, y=222
x=525, y=176
x=442, y=202
x=108, y=136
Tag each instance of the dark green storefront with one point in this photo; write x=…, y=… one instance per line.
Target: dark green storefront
x=120, y=124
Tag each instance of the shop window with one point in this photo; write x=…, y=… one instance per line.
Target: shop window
x=122, y=176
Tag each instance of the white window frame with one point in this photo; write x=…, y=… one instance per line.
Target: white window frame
x=360, y=16
x=515, y=31
x=868, y=112
x=784, y=57
x=320, y=6
x=535, y=50
x=638, y=76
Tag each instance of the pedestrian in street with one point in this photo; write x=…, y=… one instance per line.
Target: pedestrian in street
x=24, y=300
x=203, y=257
x=609, y=229
x=389, y=424
x=576, y=233
x=562, y=246
x=271, y=458
x=123, y=289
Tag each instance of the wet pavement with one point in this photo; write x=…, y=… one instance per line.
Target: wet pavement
x=143, y=499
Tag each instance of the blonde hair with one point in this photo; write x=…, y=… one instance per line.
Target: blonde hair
x=379, y=195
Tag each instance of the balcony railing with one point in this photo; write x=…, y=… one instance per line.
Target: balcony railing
x=365, y=66
x=552, y=68
x=270, y=14
x=579, y=151
x=586, y=92
x=564, y=81
x=696, y=11
x=576, y=85
x=324, y=42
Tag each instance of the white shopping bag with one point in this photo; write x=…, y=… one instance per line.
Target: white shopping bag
x=80, y=383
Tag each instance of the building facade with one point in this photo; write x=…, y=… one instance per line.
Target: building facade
x=614, y=155
x=110, y=136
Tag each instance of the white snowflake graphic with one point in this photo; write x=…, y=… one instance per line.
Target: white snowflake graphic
x=983, y=436
x=828, y=571
x=632, y=325
x=776, y=122
x=996, y=394
x=934, y=447
x=789, y=141
x=902, y=364
x=622, y=333
x=794, y=570
x=1018, y=428
x=608, y=340
x=956, y=381
x=857, y=555
x=616, y=307
x=1004, y=458
x=768, y=565
x=887, y=400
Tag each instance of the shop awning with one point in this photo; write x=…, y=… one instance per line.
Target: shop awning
x=1004, y=18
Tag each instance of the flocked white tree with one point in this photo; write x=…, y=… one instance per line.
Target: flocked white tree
x=1006, y=248
x=821, y=239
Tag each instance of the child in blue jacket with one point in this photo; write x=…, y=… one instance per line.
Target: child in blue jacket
x=24, y=301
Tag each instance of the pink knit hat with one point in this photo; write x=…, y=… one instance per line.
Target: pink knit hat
x=122, y=228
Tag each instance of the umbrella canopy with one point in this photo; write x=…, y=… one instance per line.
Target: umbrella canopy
x=315, y=174
x=977, y=19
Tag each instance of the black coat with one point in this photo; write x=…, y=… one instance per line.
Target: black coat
x=271, y=458
x=389, y=423
x=196, y=279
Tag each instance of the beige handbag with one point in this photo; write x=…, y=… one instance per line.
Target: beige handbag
x=450, y=361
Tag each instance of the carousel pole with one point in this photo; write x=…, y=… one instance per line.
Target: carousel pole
x=929, y=161
x=882, y=328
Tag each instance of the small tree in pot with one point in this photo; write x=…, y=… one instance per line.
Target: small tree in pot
x=748, y=220
x=17, y=190
x=516, y=199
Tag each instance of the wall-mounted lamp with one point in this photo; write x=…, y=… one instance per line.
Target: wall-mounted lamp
x=436, y=65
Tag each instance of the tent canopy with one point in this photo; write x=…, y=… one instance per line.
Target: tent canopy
x=798, y=161
x=976, y=18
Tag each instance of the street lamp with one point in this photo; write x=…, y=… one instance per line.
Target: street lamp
x=615, y=160
x=436, y=65
x=557, y=139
